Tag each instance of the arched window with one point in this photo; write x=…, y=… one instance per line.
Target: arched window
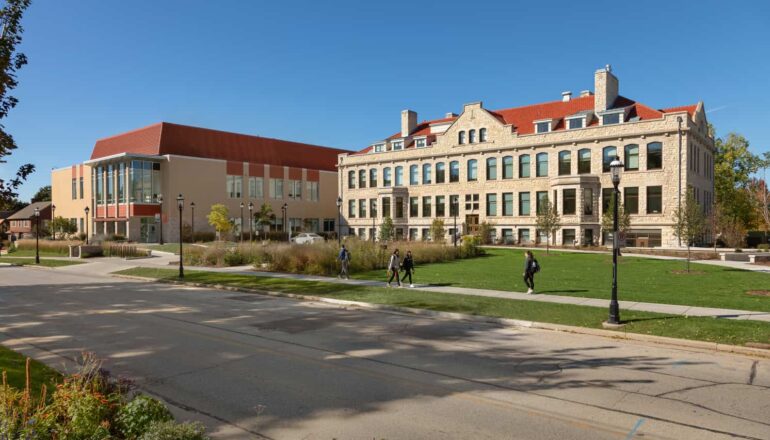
x=524, y=166
x=373, y=178
x=362, y=178
x=413, y=175
x=399, y=176
x=351, y=179
x=654, y=156
x=471, y=136
x=508, y=167
x=461, y=137
x=454, y=171
x=440, y=172
x=473, y=170
x=631, y=157
x=386, y=182
x=565, y=163
x=426, y=174
x=584, y=161
x=542, y=165
x=608, y=155
x=483, y=135
x=491, y=168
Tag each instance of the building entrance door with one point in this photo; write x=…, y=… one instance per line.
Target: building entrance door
x=148, y=230
x=472, y=223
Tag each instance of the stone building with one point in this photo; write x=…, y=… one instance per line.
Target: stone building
x=500, y=166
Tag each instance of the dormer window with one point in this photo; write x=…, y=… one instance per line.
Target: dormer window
x=575, y=123
x=379, y=148
x=616, y=117
x=419, y=143
x=398, y=145
x=542, y=126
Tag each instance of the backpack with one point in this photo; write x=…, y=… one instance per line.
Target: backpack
x=535, y=266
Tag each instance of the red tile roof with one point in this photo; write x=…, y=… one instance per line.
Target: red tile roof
x=166, y=138
x=690, y=109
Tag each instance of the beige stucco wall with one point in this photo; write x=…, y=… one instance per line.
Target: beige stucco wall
x=61, y=193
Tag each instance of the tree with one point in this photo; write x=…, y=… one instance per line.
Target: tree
x=689, y=222
x=386, y=229
x=265, y=215
x=62, y=226
x=548, y=221
x=624, y=219
x=484, y=232
x=42, y=195
x=10, y=62
x=733, y=167
x=219, y=218
x=437, y=231
x=760, y=193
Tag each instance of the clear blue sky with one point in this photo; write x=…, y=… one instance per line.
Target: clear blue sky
x=339, y=73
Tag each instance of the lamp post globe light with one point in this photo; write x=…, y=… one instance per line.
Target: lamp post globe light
x=615, y=168
x=160, y=202
x=86, y=211
x=180, y=205
x=339, y=221
x=192, y=222
x=37, y=235
x=251, y=222
x=240, y=227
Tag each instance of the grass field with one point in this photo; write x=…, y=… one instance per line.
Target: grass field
x=704, y=329
x=590, y=275
x=13, y=364
x=30, y=261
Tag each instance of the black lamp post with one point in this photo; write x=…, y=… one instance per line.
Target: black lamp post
x=160, y=201
x=339, y=221
x=180, y=204
x=455, y=208
x=240, y=228
x=286, y=225
x=53, y=224
x=615, y=167
x=192, y=222
x=251, y=222
x=86, y=210
x=37, y=235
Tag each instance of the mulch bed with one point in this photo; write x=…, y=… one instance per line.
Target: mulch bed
x=758, y=292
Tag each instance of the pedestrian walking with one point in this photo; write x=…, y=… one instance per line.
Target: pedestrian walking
x=531, y=267
x=344, y=259
x=408, y=266
x=393, y=265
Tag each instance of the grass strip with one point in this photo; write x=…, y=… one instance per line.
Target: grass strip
x=27, y=261
x=14, y=364
x=696, y=328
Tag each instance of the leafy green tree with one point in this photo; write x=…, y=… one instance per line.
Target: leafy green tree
x=548, y=221
x=624, y=219
x=689, y=222
x=42, y=195
x=10, y=62
x=62, y=227
x=733, y=166
x=437, y=231
x=264, y=216
x=484, y=232
x=219, y=218
x=386, y=229
x=760, y=193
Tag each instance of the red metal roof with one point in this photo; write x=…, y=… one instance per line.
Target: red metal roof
x=166, y=138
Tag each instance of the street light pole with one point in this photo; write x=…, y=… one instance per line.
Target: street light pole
x=192, y=222
x=455, y=208
x=251, y=222
x=180, y=204
x=37, y=235
x=374, y=228
x=286, y=224
x=614, y=318
x=240, y=227
x=160, y=201
x=339, y=221
x=53, y=224
x=86, y=210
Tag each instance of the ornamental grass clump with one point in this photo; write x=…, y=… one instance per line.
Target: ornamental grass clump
x=58, y=247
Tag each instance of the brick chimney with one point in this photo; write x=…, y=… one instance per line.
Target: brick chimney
x=408, y=122
x=605, y=89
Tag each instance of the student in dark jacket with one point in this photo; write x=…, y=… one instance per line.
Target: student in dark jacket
x=531, y=267
x=408, y=266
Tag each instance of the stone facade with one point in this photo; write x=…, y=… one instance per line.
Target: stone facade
x=503, y=141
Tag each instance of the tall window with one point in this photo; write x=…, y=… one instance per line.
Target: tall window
x=508, y=167
x=99, y=185
x=386, y=177
x=454, y=205
x=373, y=178
x=508, y=204
x=74, y=188
x=414, y=207
x=362, y=178
x=654, y=199
x=413, y=175
x=588, y=201
x=399, y=176
x=426, y=206
x=122, y=182
x=295, y=189
x=568, y=202
x=276, y=188
x=461, y=137
x=386, y=207
x=631, y=157
x=234, y=186
x=491, y=204
x=256, y=188
x=524, y=166
x=542, y=165
x=313, y=193
x=524, y=203
x=654, y=156
x=440, y=206
x=351, y=179
x=110, y=184
x=373, y=208
x=82, y=190
x=454, y=171
x=584, y=161
x=483, y=135
x=565, y=163
x=541, y=197
x=606, y=199
x=399, y=207
x=362, y=208
x=631, y=200
x=471, y=136
x=352, y=208
x=440, y=172
x=491, y=168
x=426, y=174
x=472, y=170
x=608, y=155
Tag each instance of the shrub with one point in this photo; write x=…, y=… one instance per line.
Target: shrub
x=173, y=431
x=58, y=247
x=763, y=247
x=135, y=417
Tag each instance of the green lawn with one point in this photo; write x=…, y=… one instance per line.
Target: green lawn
x=704, y=329
x=30, y=261
x=165, y=247
x=31, y=253
x=14, y=364
x=590, y=275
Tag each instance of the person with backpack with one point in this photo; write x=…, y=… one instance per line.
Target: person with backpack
x=393, y=265
x=344, y=259
x=408, y=266
x=531, y=267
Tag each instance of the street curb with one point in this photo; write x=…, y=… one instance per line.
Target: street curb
x=661, y=340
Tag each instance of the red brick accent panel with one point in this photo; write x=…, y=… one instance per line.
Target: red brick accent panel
x=100, y=212
x=111, y=211
x=74, y=171
x=122, y=211
x=81, y=170
x=144, y=210
x=313, y=175
x=256, y=170
x=295, y=173
x=234, y=168
x=276, y=172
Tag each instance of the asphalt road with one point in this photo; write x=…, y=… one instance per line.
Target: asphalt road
x=257, y=367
